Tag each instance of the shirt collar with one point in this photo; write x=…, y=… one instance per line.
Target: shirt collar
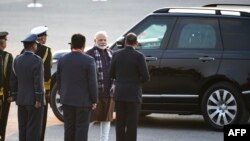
x=29, y=52
x=130, y=47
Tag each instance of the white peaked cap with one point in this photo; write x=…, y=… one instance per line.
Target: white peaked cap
x=38, y=30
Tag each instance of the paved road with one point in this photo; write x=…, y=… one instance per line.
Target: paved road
x=155, y=127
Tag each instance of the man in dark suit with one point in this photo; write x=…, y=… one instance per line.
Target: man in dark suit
x=1, y=93
x=28, y=90
x=5, y=89
x=77, y=83
x=129, y=69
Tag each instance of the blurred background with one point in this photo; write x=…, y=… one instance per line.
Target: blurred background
x=66, y=17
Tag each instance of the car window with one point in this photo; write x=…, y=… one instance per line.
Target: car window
x=152, y=36
x=235, y=33
x=197, y=33
x=153, y=31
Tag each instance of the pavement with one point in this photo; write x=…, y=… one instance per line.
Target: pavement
x=54, y=129
x=155, y=127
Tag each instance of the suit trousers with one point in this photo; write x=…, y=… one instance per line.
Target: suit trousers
x=127, y=115
x=76, y=123
x=44, y=122
x=29, y=123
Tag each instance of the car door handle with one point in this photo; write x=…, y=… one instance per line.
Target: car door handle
x=206, y=58
x=151, y=58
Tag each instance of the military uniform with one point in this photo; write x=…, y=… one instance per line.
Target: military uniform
x=7, y=60
x=45, y=53
x=28, y=91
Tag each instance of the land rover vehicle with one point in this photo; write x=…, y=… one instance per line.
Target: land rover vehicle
x=199, y=63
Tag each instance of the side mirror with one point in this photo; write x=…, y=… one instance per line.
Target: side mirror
x=120, y=42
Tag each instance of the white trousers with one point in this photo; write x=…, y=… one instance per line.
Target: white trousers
x=104, y=130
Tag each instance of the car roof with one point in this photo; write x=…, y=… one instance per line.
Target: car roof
x=240, y=7
x=214, y=9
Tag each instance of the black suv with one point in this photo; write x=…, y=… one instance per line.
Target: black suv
x=199, y=62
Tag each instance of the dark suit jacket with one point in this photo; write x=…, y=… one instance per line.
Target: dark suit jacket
x=129, y=69
x=1, y=71
x=27, y=79
x=77, y=80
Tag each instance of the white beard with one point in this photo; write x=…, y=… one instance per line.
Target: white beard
x=102, y=47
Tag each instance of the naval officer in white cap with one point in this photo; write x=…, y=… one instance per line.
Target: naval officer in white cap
x=45, y=53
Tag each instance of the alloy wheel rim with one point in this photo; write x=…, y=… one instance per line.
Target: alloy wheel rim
x=221, y=107
x=58, y=103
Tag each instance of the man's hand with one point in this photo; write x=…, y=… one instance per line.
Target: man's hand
x=47, y=95
x=1, y=103
x=38, y=104
x=10, y=99
x=94, y=106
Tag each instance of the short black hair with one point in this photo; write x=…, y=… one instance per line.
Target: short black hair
x=28, y=45
x=131, y=38
x=78, y=41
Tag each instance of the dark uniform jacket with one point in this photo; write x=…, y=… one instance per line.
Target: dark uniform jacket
x=1, y=71
x=77, y=80
x=45, y=53
x=7, y=60
x=27, y=79
x=129, y=69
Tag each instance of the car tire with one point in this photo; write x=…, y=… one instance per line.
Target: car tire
x=222, y=104
x=55, y=103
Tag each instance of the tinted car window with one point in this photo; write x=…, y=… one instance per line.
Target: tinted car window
x=153, y=32
x=197, y=33
x=151, y=37
x=233, y=36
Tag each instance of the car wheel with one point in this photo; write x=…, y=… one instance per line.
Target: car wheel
x=222, y=104
x=55, y=103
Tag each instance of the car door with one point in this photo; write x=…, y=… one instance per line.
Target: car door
x=193, y=56
x=153, y=34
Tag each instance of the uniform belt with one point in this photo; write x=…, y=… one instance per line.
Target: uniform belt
x=47, y=85
x=1, y=91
